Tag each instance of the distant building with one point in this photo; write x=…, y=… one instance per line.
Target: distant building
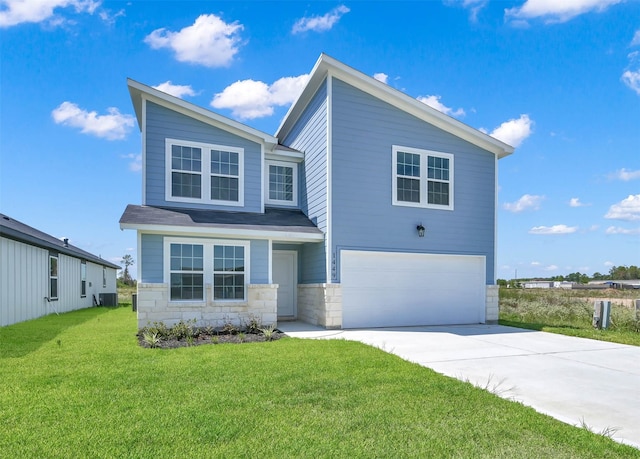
x=538, y=284
x=548, y=284
x=40, y=274
x=620, y=284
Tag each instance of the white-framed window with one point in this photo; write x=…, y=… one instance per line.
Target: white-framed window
x=228, y=272
x=422, y=178
x=204, y=173
x=186, y=281
x=53, y=276
x=281, y=182
x=104, y=277
x=83, y=279
x=193, y=264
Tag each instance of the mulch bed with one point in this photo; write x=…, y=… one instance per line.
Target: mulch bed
x=211, y=338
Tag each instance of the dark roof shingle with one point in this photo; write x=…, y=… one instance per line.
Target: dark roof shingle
x=19, y=231
x=284, y=220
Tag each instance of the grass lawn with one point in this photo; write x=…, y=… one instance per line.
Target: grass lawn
x=78, y=385
x=567, y=312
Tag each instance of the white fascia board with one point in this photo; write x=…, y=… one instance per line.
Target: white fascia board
x=289, y=236
x=139, y=90
x=281, y=155
x=386, y=93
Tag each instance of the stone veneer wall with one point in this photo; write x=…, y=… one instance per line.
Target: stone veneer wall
x=154, y=306
x=320, y=304
x=492, y=311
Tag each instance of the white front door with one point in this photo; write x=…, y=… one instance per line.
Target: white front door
x=285, y=274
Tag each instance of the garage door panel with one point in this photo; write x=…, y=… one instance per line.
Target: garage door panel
x=398, y=289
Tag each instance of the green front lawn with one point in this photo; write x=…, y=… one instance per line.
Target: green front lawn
x=78, y=385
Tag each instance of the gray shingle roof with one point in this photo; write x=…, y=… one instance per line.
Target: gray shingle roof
x=19, y=231
x=280, y=220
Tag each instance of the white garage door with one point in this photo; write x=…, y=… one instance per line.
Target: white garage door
x=382, y=289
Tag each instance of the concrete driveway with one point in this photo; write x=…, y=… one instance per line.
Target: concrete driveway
x=578, y=381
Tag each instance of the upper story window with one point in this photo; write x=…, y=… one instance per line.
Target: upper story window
x=281, y=181
x=225, y=175
x=186, y=172
x=204, y=173
x=422, y=178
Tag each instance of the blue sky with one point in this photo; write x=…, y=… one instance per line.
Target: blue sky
x=558, y=80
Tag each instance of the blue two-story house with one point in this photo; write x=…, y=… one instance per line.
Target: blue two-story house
x=367, y=208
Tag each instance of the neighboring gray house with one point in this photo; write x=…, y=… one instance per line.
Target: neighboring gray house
x=40, y=274
x=366, y=209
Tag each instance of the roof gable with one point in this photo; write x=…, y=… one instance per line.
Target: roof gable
x=327, y=66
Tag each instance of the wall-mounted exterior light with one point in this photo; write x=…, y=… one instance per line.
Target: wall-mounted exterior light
x=420, y=229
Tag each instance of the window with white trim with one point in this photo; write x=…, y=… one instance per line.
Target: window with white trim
x=53, y=277
x=225, y=175
x=204, y=173
x=186, y=272
x=83, y=278
x=422, y=178
x=228, y=272
x=281, y=182
x=186, y=172
x=193, y=264
x=104, y=277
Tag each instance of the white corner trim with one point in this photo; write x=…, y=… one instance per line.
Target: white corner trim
x=329, y=248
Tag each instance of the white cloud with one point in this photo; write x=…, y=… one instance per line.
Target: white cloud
x=136, y=162
x=555, y=229
x=635, y=41
x=515, y=131
x=16, y=12
x=175, y=89
x=625, y=175
x=632, y=79
x=381, y=77
x=249, y=99
x=209, y=41
x=320, y=23
x=474, y=6
x=526, y=202
x=109, y=17
x=434, y=102
x=113, y=126
x=551, y=268
x=553, y=11
x=618, y=230
x=575, y=202
x=628, y=209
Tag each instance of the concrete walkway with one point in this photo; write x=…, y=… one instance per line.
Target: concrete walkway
x=578, y=381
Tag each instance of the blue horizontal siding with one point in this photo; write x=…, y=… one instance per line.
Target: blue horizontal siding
x=163, y=123
x=309, y=135
x=364, y=129
x=151, y=263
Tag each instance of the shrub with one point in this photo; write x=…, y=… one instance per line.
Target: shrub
x=151, y=339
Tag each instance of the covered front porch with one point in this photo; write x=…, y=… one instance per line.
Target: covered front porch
x=219, y=268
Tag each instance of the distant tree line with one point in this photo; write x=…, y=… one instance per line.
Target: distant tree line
x=615, y=273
